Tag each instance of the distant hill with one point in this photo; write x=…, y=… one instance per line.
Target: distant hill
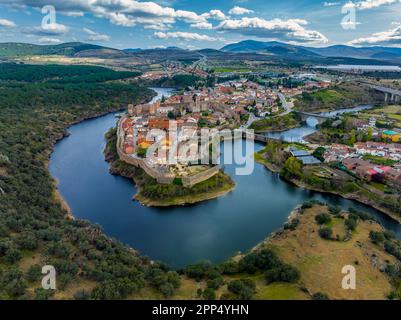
x=15, y=49
x=244, y=50
x=284, y=50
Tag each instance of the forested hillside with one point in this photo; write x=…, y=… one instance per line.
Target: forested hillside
x=61, y=73
x=13, y=49
x=34, y=228
x=339, y=96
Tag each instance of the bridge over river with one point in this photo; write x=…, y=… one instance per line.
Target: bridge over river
x=319, y=117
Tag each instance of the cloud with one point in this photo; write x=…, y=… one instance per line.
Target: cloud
x=385, y=38
x=277, y=29
x=46, y=40
x=214, y=14
x=370, y=4
x=202, y=25
x=239, y=11
x=7, y=23
x=331, y=4
x=120, y=12
x=73, y=13
x=47, y=29
x=94, y=36
x=187, y=36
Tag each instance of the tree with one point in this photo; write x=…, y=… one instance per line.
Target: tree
x=350, y=224
x=292, y=168
x=320, y=296
x=34, y=272
x=171, y=115
x=282, y=273
x=326, y=233
x=244, y=288
x=319, y=153
x=376, y=236
x=322, y=218
x=82, y=295
x=352, y=138
x=369, y=134
x=209, y=294
x=12, y=256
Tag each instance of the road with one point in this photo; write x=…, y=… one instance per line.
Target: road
x=286, y=105
x=252, y=118
x=287, y=109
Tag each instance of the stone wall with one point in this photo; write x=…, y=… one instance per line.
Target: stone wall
x=163, y=178
x=199, y=177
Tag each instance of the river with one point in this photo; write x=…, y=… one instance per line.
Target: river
x=213, y=230
x=309, y=127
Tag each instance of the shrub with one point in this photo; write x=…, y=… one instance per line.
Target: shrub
x=326, y=233
x=283, y=273
x=42, y=294
x=320, y=296
x=376, y=236
x=361, y=215
x=209, y=294
x=27, y=241
x=322, y=218
x=292, y=225
x=13, y=255
x=350, y=224
x=82, y=295
x=229, y=267
x=244, y=288
x=33, y=273
x=215, y=283
x=334, y=210
x=389, y=235
x=198, y=271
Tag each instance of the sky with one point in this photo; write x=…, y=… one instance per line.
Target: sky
x=194, y=24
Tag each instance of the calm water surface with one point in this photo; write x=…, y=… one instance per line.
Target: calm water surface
x=212, y=230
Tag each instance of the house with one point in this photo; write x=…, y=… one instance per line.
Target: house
x=336, y=152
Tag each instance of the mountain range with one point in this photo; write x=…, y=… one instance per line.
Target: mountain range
x=248, y=49
x=388, y=54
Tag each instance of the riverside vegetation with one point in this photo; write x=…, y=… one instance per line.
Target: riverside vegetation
x=36, y=230
x=328, y=178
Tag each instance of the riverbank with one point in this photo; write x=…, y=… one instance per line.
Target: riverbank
x=152, y=194
x=61, y=135
x=277, y=124
x=356, y=195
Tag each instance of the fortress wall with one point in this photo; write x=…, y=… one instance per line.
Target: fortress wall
x=155, y=174
x=201, y=176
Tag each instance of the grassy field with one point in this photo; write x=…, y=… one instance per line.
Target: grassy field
x=336, y=97
x=320, y=261
x=390, y=113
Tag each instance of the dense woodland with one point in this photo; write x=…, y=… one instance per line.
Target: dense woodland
x=34, y=228
x=60, y=73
